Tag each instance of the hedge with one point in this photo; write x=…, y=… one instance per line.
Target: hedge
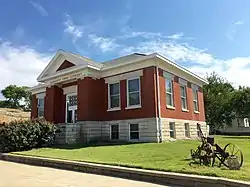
x=25, y=135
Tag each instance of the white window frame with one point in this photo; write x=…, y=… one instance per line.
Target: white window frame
x=110, y=130
x=134, y=131
x=39, y=107
x=109, y=97
x=172, y=130
x=184, y=108
x=170, y=93
x=133, y=106
x=195, y=91
x=187, y=131
x=73, y=108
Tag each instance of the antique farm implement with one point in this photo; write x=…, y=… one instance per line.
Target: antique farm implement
x=230, y=156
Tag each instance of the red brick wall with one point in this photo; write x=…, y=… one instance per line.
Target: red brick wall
x=177, y=113
x=90, y=99
x=34, y=112
x=148, y=98
x=55, y=105
x=66, y=64
x=93, y=99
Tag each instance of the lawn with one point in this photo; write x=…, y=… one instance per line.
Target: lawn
x=170, y=156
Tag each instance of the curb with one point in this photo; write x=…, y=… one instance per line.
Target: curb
x=158, y=177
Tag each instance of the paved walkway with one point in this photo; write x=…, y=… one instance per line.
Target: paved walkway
x=20, y=175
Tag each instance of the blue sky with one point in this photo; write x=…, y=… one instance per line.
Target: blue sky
x=203, y=36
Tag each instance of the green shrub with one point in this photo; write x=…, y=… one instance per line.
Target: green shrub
x=24, y=135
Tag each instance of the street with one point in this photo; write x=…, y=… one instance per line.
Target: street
x=21, y=175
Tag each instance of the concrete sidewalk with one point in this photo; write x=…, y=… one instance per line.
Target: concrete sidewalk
x=21, y=175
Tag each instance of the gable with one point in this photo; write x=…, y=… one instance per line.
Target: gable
x=64, y=60
x=66, y=64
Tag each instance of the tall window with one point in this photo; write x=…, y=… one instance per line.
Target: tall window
x=172, y=129
x=134, y=131
x=169, y=92
x=187, y=131
x=133, y=92
x=114, y=132
x=195, y=99
x=183, y=97
x=40, y=107
x=114, y=95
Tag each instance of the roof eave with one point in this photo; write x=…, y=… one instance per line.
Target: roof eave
x=204, y=81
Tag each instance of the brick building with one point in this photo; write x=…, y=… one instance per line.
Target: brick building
x=132, y=98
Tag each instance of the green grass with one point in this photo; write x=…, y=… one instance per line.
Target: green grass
x=171, y=156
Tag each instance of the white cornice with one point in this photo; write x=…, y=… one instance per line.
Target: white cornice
x=95, y=70
x=38, y=89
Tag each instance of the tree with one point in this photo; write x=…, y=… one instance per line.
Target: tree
x=218, y=95
x=16, y=97
x=241, y=102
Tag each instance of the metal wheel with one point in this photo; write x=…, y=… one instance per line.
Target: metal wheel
x=233, y=157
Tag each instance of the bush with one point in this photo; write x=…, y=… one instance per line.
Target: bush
x=24, y=135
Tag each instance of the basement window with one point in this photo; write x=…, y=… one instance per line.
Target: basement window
x=172, y=129
x=187, y=130
x=114, y=132
x=134, y=131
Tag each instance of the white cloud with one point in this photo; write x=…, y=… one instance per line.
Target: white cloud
x=235, y=70
x=20, y=65
x=147, y=35
x=76, y=31
x=240, y=22
x=105, y=44
x=176, y=36
x=200, y=61
x=173, y=50
x=39, y=8
x=154, y=35
x=233, y=29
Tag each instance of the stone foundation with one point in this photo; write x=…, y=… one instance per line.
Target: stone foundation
x=180, y=129
x=99, y=131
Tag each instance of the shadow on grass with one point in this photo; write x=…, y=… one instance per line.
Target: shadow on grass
x=236, y=137
x=79, y=146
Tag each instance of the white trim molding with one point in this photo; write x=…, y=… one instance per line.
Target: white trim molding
x=40, y=88
x=70, y=90
x=132, y=67
x=168, y=75
x=124, y=76
x=182, y=82
x=40, y=95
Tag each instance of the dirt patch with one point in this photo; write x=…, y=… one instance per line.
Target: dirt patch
x=8, y=114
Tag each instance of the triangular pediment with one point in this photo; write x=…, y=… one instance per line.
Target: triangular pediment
x=66, y=64
x=63, y=61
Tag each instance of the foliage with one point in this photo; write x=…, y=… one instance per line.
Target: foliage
x=168, y=156
x=24, y=135
x=218, y=96
x=241, y=102
x=16, y=97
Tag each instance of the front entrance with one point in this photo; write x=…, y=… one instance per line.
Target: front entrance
x=71, y=108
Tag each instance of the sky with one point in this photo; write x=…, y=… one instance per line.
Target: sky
x=203, y=36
